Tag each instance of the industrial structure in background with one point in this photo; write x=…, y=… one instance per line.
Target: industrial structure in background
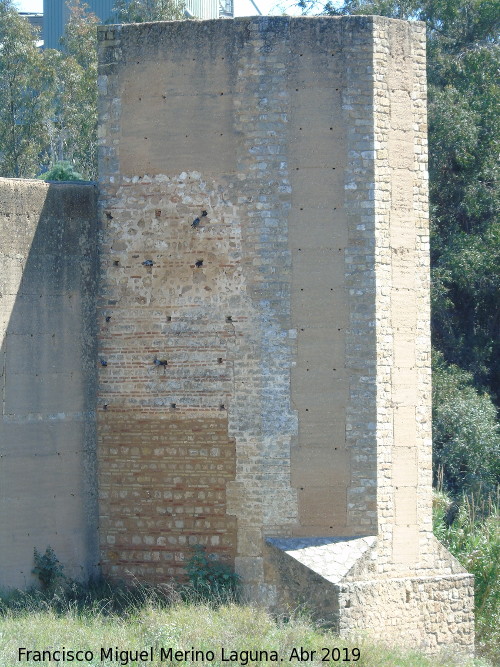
x=34, y=19
x=56, y=14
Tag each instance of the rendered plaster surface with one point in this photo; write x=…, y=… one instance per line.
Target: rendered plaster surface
x=48, y=284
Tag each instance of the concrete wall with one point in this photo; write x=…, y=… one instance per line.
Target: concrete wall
x=48, y=271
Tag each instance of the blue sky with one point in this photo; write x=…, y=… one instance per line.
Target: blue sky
x=242, y=7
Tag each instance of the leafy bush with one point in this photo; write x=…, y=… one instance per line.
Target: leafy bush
x=465, y=432
x=61, y=171
x=470, y=529
x=210, y=578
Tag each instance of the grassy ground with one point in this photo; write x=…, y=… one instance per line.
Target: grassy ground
x=113, y=624
x=186, y=626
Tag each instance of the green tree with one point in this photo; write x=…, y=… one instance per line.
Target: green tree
x=464, y=142
x=466, y=435
x=466, y=303
x=72, y=123
x=140, y=11
x=23, y=96
x=48, y=98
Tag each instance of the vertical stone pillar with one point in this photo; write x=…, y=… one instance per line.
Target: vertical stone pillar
x=403, y=308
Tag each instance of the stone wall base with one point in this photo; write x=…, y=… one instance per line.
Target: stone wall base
x=430, y=613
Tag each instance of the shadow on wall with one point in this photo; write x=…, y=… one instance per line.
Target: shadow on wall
x=48, y=282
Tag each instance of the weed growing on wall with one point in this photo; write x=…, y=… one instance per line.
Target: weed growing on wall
x=210, y=578
x=61, y=171
x=48, y=568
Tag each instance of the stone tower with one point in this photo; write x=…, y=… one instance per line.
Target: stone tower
x=264, y=317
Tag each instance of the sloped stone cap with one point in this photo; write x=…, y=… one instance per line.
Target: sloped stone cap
x=330, y=557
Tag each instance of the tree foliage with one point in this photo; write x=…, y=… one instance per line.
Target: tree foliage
x=465, y=432
x=23, y=96
x=466, y=304
x=48, y=98
x=74, y=121
x=464, y=140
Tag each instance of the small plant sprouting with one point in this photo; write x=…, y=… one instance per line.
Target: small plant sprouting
x=47, y=568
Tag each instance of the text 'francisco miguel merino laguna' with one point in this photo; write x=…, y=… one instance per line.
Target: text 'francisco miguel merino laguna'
x=124, y=657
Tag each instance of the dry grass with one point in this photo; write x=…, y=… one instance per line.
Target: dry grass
x=184, y=626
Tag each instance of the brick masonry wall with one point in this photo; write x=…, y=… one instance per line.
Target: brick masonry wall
x=166, y=481
x=165, y=451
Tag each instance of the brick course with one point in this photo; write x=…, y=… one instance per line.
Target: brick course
x=162, y=490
